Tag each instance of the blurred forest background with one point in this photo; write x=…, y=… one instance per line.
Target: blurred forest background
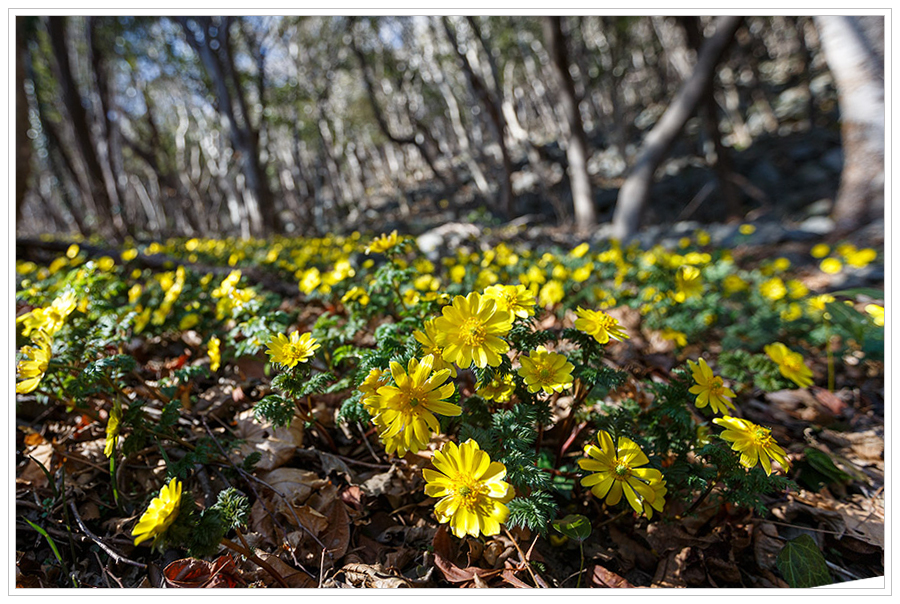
x=153, y=127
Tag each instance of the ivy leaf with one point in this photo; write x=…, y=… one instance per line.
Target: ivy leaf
x=574, y=526
x=802, y=564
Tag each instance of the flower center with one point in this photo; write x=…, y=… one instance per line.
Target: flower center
x=622, y=471
x=716, y=385
x=294, y=350
x=468, y=491
x=762, y=436
x=472, y=332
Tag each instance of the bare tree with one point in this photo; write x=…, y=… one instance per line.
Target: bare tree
x=23, y=145
x=490, y=101
x=576, y=145
x=102, y=190
x=636, y=189
x=211, y=41
x=854, y=50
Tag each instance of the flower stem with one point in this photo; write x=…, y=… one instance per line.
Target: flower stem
x=581, y=567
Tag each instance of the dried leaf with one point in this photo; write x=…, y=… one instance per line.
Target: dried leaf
x=277, y=445
x=602, y=577
x=193, y=573
x=444, y=553
x=291, y=576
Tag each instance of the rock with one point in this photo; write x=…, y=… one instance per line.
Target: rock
x=820, y=208
x=447, y=236
x=819, y=225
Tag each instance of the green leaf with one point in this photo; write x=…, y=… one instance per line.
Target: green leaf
x=875, y=294
x=802, y=564
x=822, y=463
x=574, y=526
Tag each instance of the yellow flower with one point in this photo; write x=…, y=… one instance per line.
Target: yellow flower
x=580, y=250
x=470, y=330
x=160, y=515
x=551, y=293
x=820, y=250
x=405, y=412
x=547, y=371
x=702, y=236
x=792, y=312
x=830, y=266
x=356, y=294
x=375, y=379
x=790, y=364
x=498, y=389
x=428, y=339
x=142, y=318
x=289, y=352
x=877, y=314
x=599, y=324
x=50, y=319
x=457, y=273
x=189, y=321
x=733, y=284
x=818, y=302
x=310, y=280
x=659, y=498
x=747, y=229
x=688, y=283
x=112, y=429
x=617, y=470
x=753, y=442
x=382, y=244
x=514, y=299
x=34, y=363
x=773, y=289
x=861, y=258
x=710, y=389
x=215, y=354
x=796, y=289
x=678, y=337
x=583, y=273
x=134, y=294
x=471, y=487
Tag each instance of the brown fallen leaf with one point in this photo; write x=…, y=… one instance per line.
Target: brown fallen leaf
x=291, y=576
x=603, y=577
x=445, y=553
x=766, y=545
x=194, y=573
x=277, y=445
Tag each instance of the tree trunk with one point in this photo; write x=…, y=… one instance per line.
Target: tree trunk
x=219, y=65
x=854, y=50
x=636, y=189
x=490, y=102
x=101, y=192
x=576, y=146
x=723, y=164
x=23, y=144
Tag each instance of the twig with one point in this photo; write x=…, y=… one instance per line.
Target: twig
x=712, y=485
x=322, y=568
x=255, y=559
x=522, y=556
x=367, y=443
x=364, y=464
x=112, y=553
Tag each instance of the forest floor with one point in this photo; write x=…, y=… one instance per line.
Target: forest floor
x=330, y=509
